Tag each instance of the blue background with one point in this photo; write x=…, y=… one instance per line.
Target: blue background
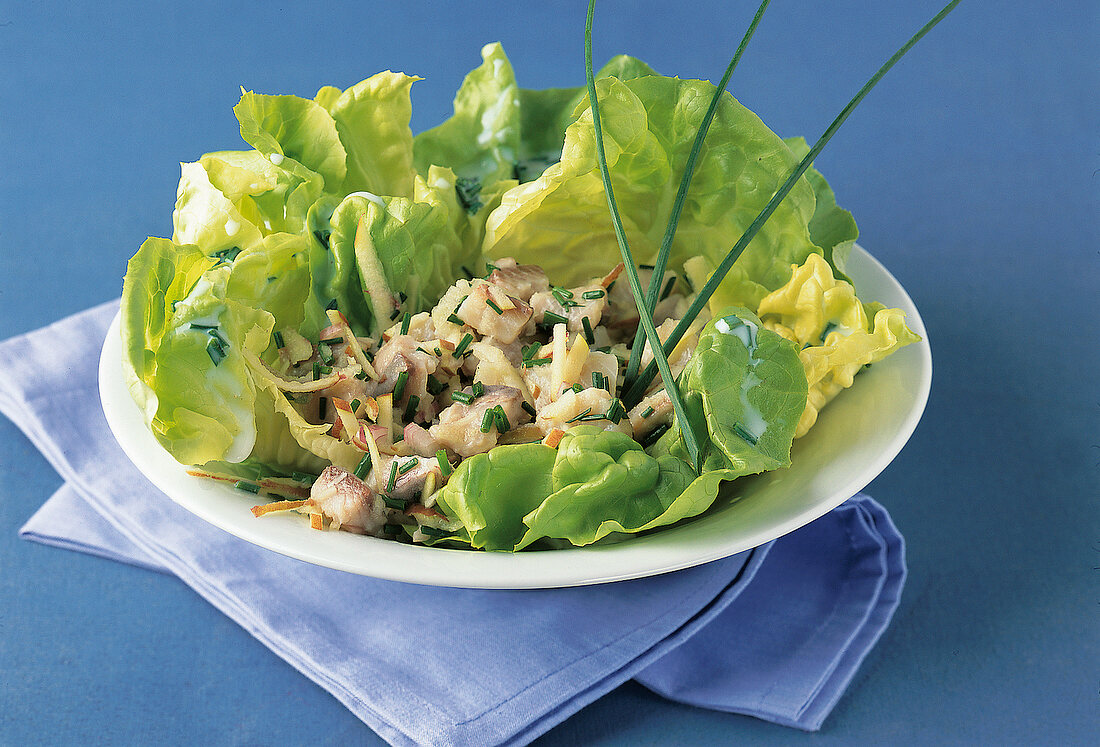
x=972, y=170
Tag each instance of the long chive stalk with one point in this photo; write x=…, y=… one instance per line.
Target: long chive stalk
x=634, y=394
x=661, y=262
x=659, y=357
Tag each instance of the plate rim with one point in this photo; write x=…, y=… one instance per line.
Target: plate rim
x=649, y=555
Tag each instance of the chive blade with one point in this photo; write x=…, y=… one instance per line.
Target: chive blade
x=661, y=262
x=641, y=382
x=646, y=320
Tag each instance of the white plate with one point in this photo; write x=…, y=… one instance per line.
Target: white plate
x=855, y=438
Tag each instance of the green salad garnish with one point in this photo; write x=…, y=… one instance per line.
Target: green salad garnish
x=316, y=331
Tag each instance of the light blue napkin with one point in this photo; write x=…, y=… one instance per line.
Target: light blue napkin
x=776, y=632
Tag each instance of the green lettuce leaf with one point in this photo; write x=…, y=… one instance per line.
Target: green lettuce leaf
x=744, y=387
x=482, y=138
x=372, y=120
x=406, y=246
x=294, y=133
x=491, y=493
x=561, y=219
x=832, y=227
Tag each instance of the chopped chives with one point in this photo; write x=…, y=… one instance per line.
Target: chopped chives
x=434, y=385
x=654, y=435
x=578, y=417
x=550, y=319
x=589, y=335
x=477, y=389
x=326, y=370
x=578, y=388
x=454, y=319
x=502, y=419
x=463, y=397
x=399, y=387
x=246, y=486
x=438, y=352
x=594, y=416
x=390, y=483
x=278, y=337
x=529, y=351
x=410, y=408
x=333, y=340
x=492, y=305
x=215, y=350
x=464, y=343
x=227, y=255
x=444, y=462
x=316, y=370
x=363, y=467
x=406, y=320
x=597, y=379
x=740, y=431
x=645, y=267
x=401, y=297
x=647, y=412
x=218, y=336
x=592, y=295
x=404, y=468
x=203, y=327
x=529, y=408
x=616, y=411
x=355, y=405
x=322, y=407
x=487, y=421
x=535, y=362
x=396, y=313
x=362, y=375
x=325, y=353
x=396, y=503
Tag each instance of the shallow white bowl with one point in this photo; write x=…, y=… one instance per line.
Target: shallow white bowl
x=855, y=438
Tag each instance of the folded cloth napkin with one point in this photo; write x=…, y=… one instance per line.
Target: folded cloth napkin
x=776, y=632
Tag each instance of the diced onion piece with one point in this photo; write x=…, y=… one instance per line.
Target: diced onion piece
x=557, y=355
x=347, y=418
x=500, y=298
x=574, y=361
x=296, y=347
x=495, y=368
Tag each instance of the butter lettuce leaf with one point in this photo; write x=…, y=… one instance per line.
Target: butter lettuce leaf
x=746, y=389
x=372, y=120
x=832, y=227
x=561, y=219
x=837, y=335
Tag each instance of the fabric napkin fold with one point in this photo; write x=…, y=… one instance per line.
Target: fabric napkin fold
x=776, y=632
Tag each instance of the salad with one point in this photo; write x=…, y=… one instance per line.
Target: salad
x=431, y=338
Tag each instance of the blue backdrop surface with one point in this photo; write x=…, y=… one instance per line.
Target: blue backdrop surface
x=972, y=171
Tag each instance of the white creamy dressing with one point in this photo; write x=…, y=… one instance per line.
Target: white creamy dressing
x=231, y=227
x=218, y=379
x=751, y=419
x=369, y=196
x=276, y=158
